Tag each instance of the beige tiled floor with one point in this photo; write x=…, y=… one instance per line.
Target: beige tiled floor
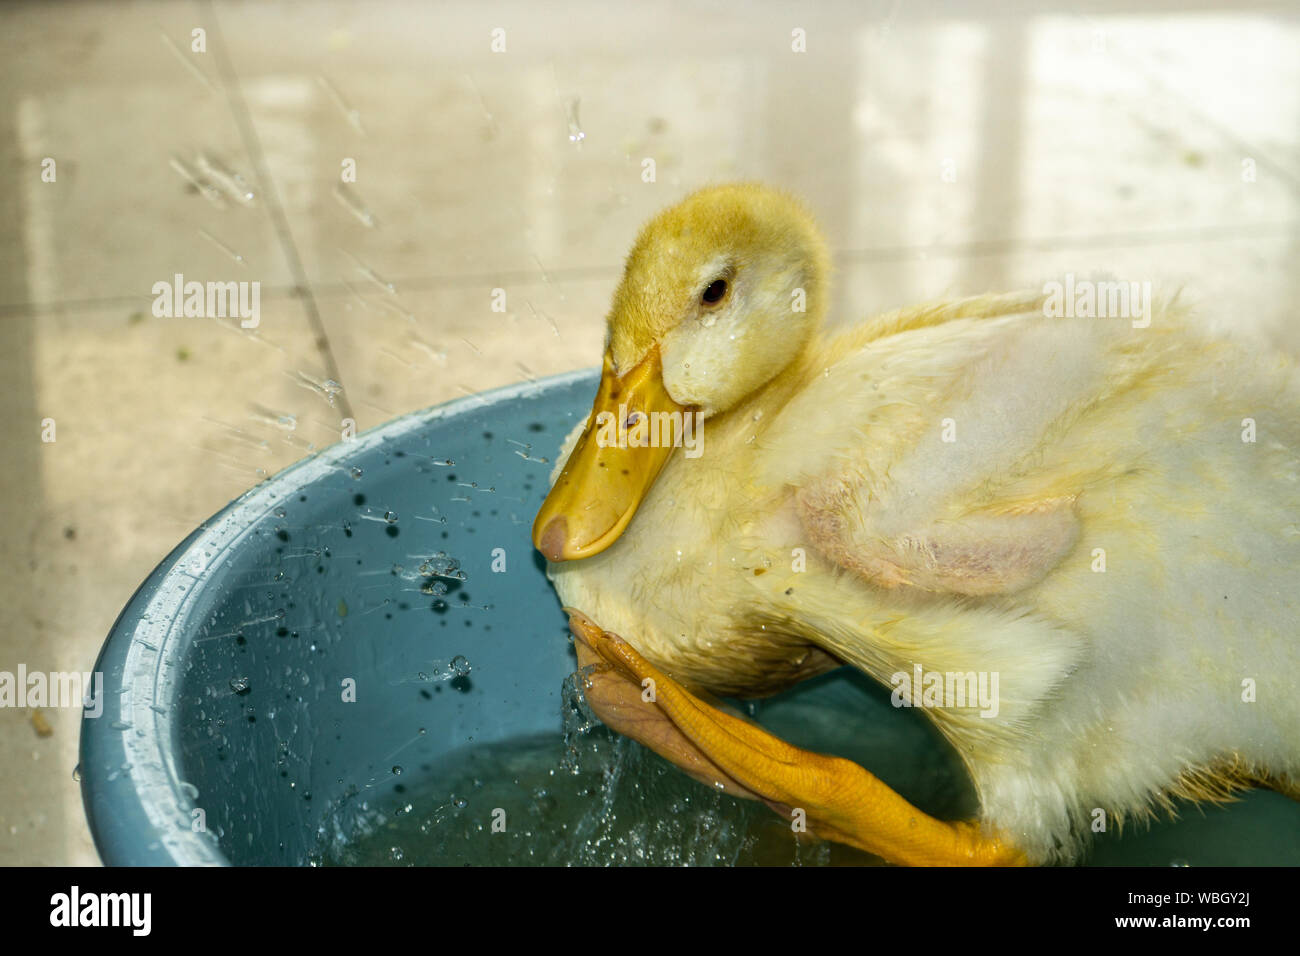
x=947, y=149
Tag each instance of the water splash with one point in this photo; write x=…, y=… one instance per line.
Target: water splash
x=223, y=247
x=523, y=450
x=238, y=434
x=374, y=277
x=205, y=189
x=349, y=199
x=437, y=355
x=350, y=113
x=576, y=134
x=442, y=565
x=579, y=718
x=231, y=183
x=328, y=389
x=539, y=314
x=186, y=62
x=456, y=668
x=284, y=421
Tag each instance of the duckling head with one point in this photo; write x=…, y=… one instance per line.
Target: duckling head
x=727, y=286
x=720, y=294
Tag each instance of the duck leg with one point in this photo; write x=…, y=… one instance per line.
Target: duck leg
x=620, y=704
x=842, y=802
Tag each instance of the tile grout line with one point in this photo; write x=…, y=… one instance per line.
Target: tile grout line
x=1171, y=236
x=252, y=143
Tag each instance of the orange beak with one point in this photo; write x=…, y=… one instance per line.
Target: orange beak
x=626, y=443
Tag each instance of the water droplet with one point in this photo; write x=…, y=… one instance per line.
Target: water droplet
x=350, y=113
x=396, y=853
x=460, y=666
x=576, y=135
x=222, y=246
x=349, y=200
x=280, y=513
x=356, y=473
x=76, y=773
x=240, y=685
x=441, y=565
x=327, y=389
x=233, y=184
x=397, y=770
x=390, y=517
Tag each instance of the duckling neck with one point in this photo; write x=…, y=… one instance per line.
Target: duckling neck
x=767, y=399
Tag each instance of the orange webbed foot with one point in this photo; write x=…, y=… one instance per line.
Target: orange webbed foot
x=840, y=800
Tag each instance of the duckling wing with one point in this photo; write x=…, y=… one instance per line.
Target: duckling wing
x=950, y=455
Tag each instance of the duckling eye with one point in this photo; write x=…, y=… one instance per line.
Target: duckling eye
x=714, y=293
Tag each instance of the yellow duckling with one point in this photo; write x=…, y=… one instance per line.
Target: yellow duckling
x=1075, y=542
